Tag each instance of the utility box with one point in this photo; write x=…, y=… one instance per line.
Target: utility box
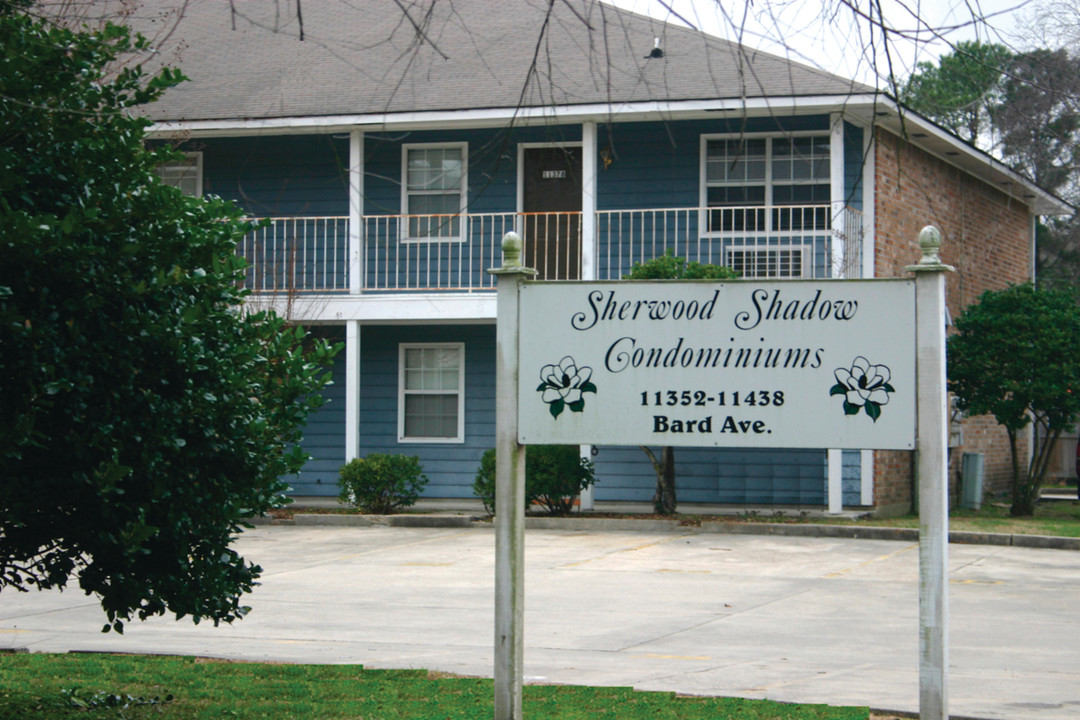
x=971, y=481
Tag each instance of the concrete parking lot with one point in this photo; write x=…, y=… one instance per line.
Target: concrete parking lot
x=818, y=620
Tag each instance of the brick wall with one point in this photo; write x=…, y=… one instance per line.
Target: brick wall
x=985, y=236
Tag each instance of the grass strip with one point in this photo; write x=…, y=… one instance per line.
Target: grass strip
x=1056, y=518
x=132, y=687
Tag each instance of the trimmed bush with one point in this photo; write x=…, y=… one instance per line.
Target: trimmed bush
x=381, y=483
x=554, y=476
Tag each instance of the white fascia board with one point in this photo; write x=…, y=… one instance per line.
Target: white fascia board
x=498, y=117
x=398, y=308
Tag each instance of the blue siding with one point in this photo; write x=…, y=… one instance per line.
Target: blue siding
x=492, y=174
x=658, y=164
x=294, y=175
x=716, y=475
x=450, y=467
x=492, y=188
x=324, y=434
x=278, y=175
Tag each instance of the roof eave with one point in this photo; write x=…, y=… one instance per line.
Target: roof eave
x=498, y=117
x=929, y=136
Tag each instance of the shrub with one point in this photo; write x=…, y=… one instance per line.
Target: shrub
x=670, y=267
x=554, y=476
x=381, y=483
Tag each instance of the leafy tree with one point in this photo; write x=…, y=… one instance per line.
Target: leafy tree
x=145, y=415
x=1026, y=108
x=670, y=267
x=1038, y=120
x=1014, y=356
x=960, y=92
x=1039, y=117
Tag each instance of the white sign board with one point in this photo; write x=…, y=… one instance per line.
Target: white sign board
x=794, y=364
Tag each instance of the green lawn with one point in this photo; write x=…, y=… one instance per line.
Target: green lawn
x=1058, y=517
x=51, y=687
x=1061, y=518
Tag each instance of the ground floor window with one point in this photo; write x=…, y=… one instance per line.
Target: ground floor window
x=431, y=392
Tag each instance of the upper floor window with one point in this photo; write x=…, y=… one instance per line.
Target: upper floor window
x=431, y=397
x=761, y=184
x=434, y=191
x=184, y=173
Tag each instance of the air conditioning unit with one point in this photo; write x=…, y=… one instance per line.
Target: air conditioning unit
x=971, y=481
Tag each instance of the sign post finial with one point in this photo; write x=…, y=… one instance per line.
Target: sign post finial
x=930, y=243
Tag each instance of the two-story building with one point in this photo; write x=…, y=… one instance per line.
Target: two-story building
x=391, y=147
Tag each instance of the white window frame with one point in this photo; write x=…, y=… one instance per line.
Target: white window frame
x=406, y=192
x=165, y=169
x=402, y=392
x=768, y=181
x=753, y=249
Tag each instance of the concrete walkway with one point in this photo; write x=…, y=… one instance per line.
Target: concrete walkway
x=808, y=619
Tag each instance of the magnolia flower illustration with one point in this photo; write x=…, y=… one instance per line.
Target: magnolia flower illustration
x=864, y=386
x=562, y=386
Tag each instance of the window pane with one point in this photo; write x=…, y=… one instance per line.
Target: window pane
x=817, y=194
x=434, y=204
x=821, y=167
x=435, y=169
x=432, y=416
x=431, y=380
x=734, y=160
x=736, y=195
x=182, y=174
x=781, y=169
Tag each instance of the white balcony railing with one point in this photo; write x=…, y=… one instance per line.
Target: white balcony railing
x=780, y=242
x=434, y=253
x=297, y=254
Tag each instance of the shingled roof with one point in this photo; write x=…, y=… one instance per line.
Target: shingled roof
x=259, y=59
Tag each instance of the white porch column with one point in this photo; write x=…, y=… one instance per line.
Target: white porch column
x=836, y=481
x=869, y=186
x=837, y=192
x=356, y=211
x=352, y=390
x=588, y=201
x=866, y=477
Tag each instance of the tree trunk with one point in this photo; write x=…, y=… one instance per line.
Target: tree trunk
x=664, y=501
x=1025, y=495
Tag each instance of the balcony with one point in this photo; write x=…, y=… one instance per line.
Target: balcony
x=452, y=253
